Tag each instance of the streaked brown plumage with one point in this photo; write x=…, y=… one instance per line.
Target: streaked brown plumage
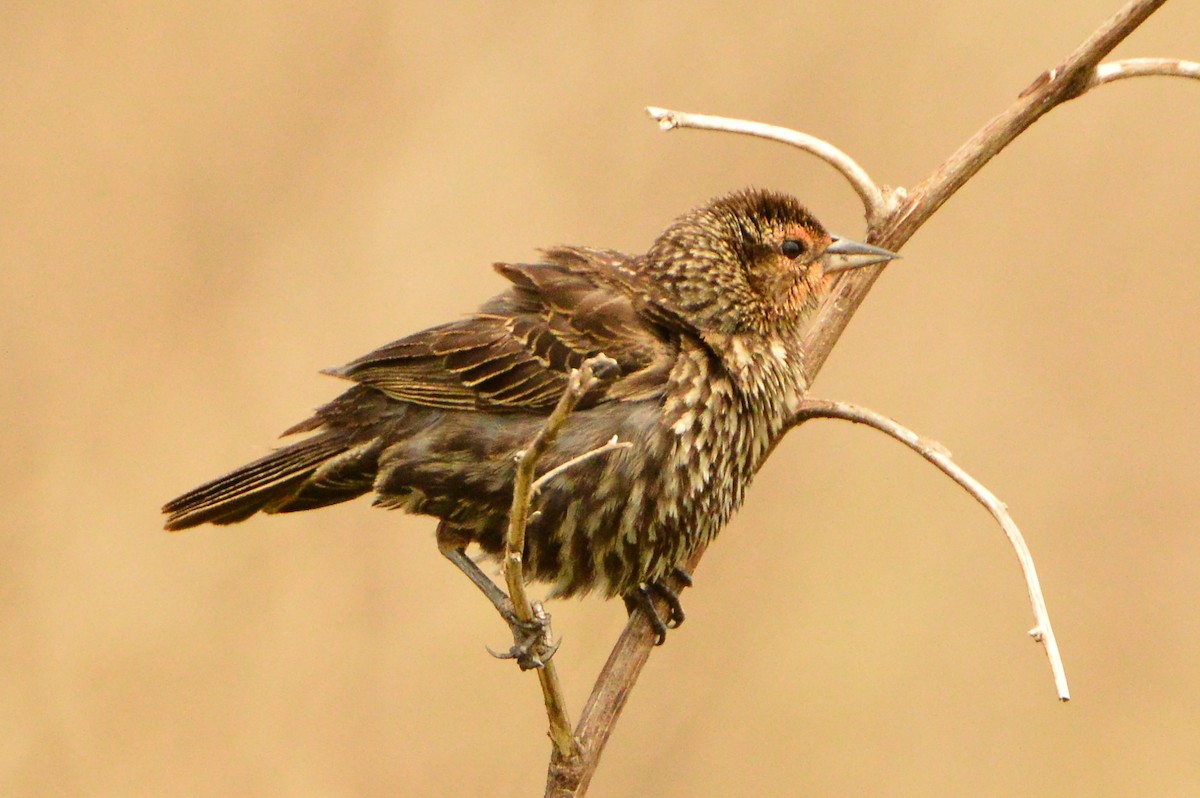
x=704, y=331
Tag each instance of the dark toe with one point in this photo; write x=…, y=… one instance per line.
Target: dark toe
x=640, y=599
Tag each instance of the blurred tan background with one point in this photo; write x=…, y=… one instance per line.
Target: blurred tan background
x=201, y=207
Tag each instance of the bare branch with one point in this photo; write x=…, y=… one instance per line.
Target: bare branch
x=876, y=204
x=888, y=228
x=1143, y=67
x=571, y=777
x=582, y=379
x=937, y=454
x=1052, y=88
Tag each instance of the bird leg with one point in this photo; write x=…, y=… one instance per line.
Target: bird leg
x=643, y=598
x=532, y=646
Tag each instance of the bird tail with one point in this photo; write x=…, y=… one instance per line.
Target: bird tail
x=325, y=469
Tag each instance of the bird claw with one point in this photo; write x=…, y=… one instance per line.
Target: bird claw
x=532, y=647
x=643, y=598
x=676, y=616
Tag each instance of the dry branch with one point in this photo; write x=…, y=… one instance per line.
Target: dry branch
x=889, y=227
x=1144, y=67
x=876, y=202
x=524, y=486
x=1042, y=632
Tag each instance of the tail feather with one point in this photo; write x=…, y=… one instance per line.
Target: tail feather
x=270, y=484
x=339, y=479
x=235, y=508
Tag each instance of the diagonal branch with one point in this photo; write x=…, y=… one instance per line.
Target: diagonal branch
x=1077, y=73
x=1052, y=88
x=937, y=454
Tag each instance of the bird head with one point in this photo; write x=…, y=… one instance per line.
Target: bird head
x=754, y=261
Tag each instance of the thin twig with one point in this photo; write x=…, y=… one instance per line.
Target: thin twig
x=1144, y=67
x=937, y=454
x=571, y=777
x=875, y=204
x=581, y=381
x=611, y=445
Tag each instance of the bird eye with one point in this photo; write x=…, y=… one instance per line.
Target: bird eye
x=792, y=248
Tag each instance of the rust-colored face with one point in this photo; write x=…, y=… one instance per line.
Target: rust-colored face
x=747, y=261
x=795, y=267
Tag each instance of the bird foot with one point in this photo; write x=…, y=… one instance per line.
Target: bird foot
x=533, y=644
x=643, y=598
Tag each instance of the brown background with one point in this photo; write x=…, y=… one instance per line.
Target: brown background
x=200, y=208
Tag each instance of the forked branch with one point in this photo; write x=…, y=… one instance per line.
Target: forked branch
x=893, y=217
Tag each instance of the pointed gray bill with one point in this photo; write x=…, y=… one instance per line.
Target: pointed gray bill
x=845, y=254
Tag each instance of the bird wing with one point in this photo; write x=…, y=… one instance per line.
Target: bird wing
x=517, y=351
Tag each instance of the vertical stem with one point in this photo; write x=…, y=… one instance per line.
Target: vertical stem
x=582, y=379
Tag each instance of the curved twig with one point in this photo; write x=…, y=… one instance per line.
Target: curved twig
x=1144, y=67
x=937, y=454
x=876, y=204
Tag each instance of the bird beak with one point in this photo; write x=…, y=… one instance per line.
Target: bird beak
x=845, y=254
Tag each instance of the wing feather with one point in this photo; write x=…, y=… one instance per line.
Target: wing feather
x=517, y=352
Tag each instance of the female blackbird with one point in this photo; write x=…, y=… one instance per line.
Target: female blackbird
x=704, y=331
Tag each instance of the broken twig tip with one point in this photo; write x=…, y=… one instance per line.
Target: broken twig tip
x=666, y=119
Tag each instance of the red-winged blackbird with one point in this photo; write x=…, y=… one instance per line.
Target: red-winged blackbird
x=704, y=332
